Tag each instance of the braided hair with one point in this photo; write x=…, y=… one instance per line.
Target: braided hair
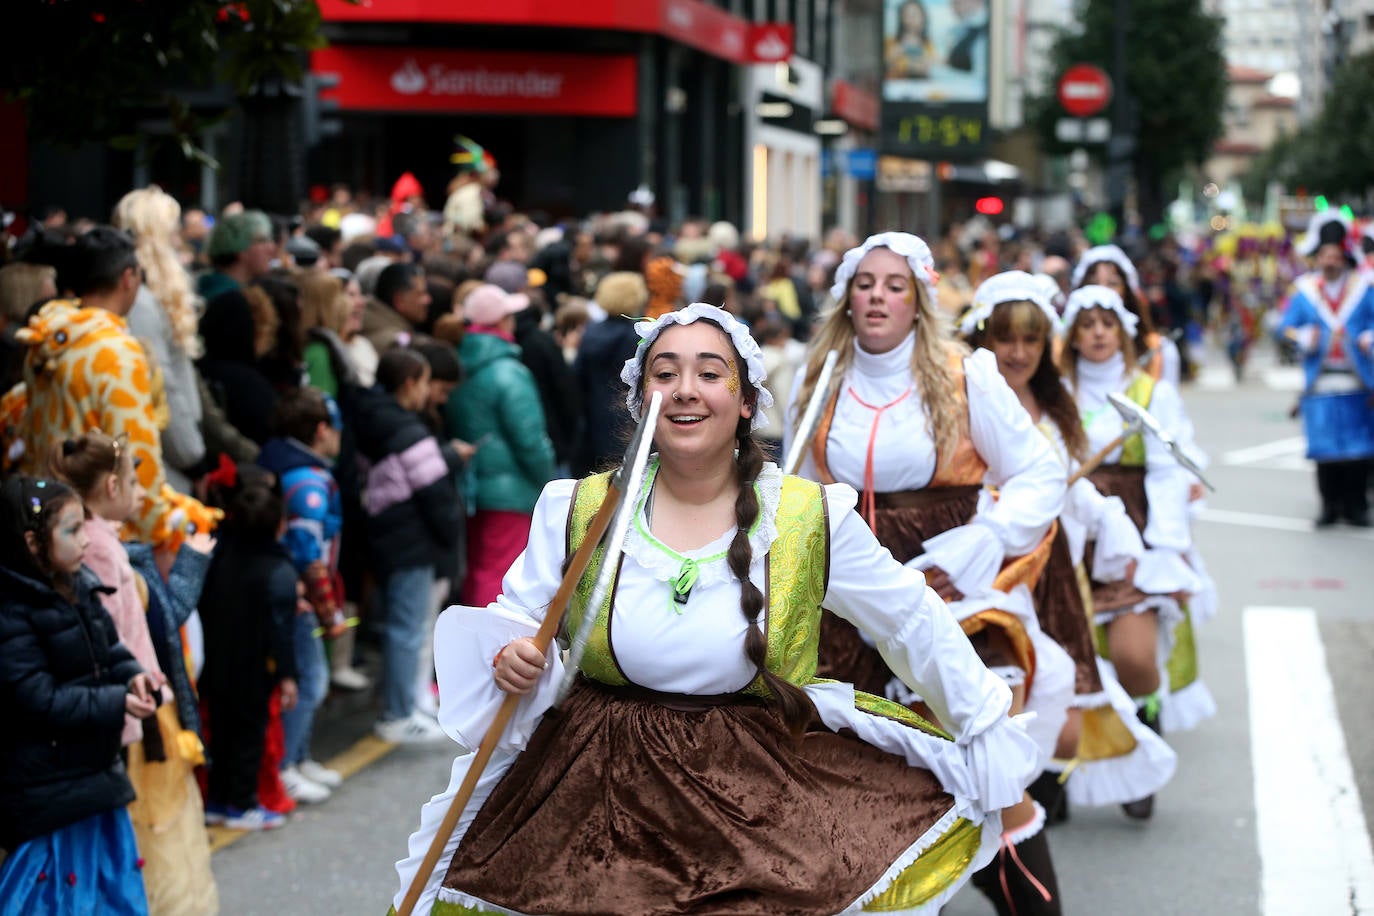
x=792, y=702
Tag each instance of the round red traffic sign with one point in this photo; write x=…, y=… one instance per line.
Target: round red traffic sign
x=1084, y=90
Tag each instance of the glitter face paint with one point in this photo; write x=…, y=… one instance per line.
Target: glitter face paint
x=732, y=382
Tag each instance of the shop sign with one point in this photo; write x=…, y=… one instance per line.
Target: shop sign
x=421, y=79
x=695, y=23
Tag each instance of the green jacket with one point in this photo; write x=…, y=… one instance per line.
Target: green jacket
x=500, y=401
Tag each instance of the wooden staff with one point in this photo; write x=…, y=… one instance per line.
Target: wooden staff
x=548, y=629
x=1096, y=460
x=807, y=426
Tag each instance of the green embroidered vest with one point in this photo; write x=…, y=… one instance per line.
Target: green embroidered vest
x=1141, y=391
x=797, y=575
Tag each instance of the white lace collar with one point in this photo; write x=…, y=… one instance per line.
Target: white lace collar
x=879, y=365
x=665, y=564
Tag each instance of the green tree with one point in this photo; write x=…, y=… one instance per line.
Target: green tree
x=1175, y=72
x=87, y=69
x=1332, y=154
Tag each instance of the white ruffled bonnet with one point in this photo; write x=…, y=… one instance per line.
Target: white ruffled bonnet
x=1099, y=297
x=1012, y=286
x=1106, y=253
x=911, y=247
x=745, y=344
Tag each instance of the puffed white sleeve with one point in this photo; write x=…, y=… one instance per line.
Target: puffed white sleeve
x=926, y=648
x=1172, y=368
x=1168, y=533
x=1104, y=520
x=467, y=639
x=1166, y=481
x=1030, y=481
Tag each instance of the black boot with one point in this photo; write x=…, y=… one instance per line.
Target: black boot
x=1013, y=881
x=1052, y=796
x=1143, y=809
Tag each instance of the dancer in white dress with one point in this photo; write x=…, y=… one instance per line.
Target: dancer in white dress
x=698, y=765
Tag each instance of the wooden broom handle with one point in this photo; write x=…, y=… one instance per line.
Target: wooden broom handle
x=553, y=618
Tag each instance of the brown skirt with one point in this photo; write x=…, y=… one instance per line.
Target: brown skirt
x=1059, y=608
x=1128, y=484
x=903, y=523
x=624, y=805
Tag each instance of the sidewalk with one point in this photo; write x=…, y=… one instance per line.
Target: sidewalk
x=342, y=738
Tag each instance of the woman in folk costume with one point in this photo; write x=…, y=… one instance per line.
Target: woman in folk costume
x=1328, y=317
x=1107, y=265
x=1148, y=630
x=697, y=765
x=1104, y=752
x=918, y=426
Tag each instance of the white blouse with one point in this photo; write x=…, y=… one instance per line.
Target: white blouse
x=698, y=647
x=1167, y=535
x=878, y=391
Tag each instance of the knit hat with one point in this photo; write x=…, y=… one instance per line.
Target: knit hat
x=234, y=234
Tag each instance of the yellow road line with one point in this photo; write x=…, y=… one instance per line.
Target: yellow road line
x=365, y=752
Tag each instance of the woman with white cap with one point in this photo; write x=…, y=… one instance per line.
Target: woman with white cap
x=1148, y=630
x=1107, y=265
x=1104, y=754
x=921, y=428
x=698, y=766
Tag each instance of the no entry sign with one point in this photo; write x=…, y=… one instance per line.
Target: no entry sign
x=1084, y=90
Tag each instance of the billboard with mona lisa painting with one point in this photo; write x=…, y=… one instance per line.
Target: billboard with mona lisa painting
x=935, y=76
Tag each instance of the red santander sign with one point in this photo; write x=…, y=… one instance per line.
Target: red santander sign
x=1084, y=90
x=446, y=80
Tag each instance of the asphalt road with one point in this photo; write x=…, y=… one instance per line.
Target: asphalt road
x=1201, y=853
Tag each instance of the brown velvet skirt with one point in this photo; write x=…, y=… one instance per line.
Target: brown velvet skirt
x=638, y=804
x=1127, y=483
x=903, y=522
x=1060, y=611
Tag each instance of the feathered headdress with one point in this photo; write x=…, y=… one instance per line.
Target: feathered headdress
x=468, y=155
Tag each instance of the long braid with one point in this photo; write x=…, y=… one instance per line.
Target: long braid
x=793, y=702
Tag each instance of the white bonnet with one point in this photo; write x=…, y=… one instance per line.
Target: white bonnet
x=1099, y=297
x=1106, y=253
x=1011, y=286
x=745, y=344
x=913, y=248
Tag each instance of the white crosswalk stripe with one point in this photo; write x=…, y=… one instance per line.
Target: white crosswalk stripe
x=1314, y=845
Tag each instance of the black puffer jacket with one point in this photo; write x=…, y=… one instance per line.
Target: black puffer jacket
x=414, y=516
x=63, y=677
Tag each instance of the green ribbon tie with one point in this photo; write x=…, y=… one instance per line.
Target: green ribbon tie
x=682, y=584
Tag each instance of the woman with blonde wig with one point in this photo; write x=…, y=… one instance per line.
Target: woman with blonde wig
x=920, y=428
x=165, y=318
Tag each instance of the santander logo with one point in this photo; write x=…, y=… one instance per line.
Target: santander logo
x=409, y=80
x=770, y=47
x=439, y=80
